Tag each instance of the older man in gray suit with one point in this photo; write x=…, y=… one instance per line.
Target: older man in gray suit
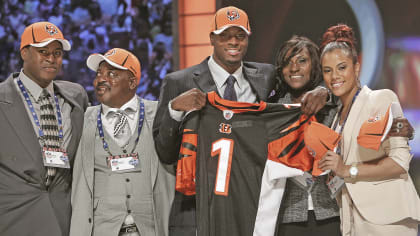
x=40, y=123
x=120, y=187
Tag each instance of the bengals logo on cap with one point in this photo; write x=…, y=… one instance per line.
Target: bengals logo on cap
x=374, y=119
x=51, y=29
x=232, y=15
x=110, y=53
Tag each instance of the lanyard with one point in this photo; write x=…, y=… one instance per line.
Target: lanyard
x=101, y=130
x=35, y=117
x=345, y=120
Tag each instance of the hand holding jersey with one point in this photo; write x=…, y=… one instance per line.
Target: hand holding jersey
x=191, y=100
x=239, y=168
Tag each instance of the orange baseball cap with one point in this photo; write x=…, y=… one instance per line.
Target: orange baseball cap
x=318, y=140
x=118, y=58
x=41, y=34
x=230, y=16
x=375, y=129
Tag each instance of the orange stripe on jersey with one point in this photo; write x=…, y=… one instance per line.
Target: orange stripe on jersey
x=186, y=167
x=236, y=107
x=290, y=148
x=297, y=123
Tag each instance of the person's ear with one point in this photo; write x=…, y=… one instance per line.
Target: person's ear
x=357, y=72
x=133, y=82
x=24, y=53
x=212, y=38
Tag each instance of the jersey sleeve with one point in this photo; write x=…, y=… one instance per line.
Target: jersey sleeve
x=186, y=166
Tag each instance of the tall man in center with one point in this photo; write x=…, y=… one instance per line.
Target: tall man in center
x=224, y=72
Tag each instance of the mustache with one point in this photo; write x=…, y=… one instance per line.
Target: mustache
x=103, y=84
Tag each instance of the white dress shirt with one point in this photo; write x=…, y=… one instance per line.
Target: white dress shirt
x=130, y=108
x=242, y=87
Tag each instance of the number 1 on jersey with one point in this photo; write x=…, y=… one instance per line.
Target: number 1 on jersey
x=224, y=149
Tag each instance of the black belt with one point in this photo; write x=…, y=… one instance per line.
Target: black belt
x=129, y=229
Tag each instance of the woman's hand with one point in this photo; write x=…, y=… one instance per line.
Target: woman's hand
x=332, y=161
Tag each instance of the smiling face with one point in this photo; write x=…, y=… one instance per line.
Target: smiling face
x=340, y=73
x=114, y=87
x=42, y=64
x=297, y=71
x=229, y=48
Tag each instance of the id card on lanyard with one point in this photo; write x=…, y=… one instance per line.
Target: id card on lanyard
x=52, y=157
x=336, y=183
x=123, y=161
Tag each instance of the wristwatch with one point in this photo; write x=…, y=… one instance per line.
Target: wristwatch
x=353, y=171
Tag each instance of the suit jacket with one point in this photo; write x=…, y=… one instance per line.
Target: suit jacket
x=262, y=79
x=386, y=201
x=161, y=180
x=260, y=76
x=26, y=206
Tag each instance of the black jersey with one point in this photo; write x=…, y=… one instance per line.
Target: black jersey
x=224, y=153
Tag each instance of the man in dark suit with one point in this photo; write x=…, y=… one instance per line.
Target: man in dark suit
x=41, y=123
x=184, y=90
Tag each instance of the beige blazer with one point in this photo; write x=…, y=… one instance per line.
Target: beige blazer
x=387, y=201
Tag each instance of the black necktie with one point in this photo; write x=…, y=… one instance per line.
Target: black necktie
x=230, y=93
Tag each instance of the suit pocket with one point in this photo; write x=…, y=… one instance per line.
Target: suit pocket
x=95, y=204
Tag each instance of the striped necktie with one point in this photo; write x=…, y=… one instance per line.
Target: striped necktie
x=49, y=126
x=122, y=132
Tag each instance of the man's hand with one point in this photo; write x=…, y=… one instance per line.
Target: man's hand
x=192, y=99
x=314, y=100
x=401, y=128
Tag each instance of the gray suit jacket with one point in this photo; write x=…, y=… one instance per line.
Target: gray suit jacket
x=262, y=78
x=26, y=206
x=161, y=180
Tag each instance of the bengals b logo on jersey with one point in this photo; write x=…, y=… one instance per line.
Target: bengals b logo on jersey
x=51, y=29
x=225, y=128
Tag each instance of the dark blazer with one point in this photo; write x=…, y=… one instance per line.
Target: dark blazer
x=261, y=77
x=26, y=206
x=166, y=130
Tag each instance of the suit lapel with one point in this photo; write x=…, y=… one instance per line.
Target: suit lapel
x=14, y=110
x=88, y=146
x=76, y=116
x=256, y=81
x=203, y=78
x=350, y=132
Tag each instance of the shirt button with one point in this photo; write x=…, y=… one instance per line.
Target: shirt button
x=128, y=211
x=127, y=180
x=128, y=196
x=90, y=220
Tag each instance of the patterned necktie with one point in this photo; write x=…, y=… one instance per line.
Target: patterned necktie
x=122, y=132
x=49, y=126
x=230, y=93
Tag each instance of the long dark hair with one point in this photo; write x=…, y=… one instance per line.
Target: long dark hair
x=296, y=44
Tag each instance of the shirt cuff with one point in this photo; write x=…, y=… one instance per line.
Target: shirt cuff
x=176, y=115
